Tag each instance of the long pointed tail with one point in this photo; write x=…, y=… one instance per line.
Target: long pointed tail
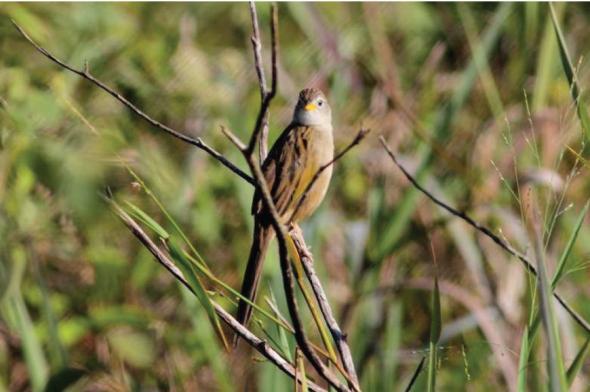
x=262, y=237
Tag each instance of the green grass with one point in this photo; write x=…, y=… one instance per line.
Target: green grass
x=474, y=99
x=435, y=328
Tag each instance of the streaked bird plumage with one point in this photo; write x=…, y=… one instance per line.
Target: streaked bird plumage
x=303, y=147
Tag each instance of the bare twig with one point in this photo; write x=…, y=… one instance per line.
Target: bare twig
x=319, y=293
x=274, y=34
x=287, y=273
x=257, y=46
x=300, y=336
x=281, y=233
x=258, y=344
x=338, y=336
x=197, y=142
x=357, y=139
x=233, y=138
x=261, y=123
x=259, y=66
x=488, y=233
x=274, y=41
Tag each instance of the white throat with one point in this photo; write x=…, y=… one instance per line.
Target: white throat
x=313, y=119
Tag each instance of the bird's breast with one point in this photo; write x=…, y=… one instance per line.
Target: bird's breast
x=320, y=151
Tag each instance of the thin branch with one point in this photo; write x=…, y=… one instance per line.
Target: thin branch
x=287, y=273
x=305, y=256
x=265, y=94
x=258, y=344
x=286, y=269
x=257, y=47
x=281, y=233
x=281, y=230
x=274, y=32
x=488, y=233
x=300, y=336
x=233, y=138
x=254, y=166
x=357, y=139
x=260, y=121
x=339, y=337
x=85, y=74
x=274, y=41
x=259, y=66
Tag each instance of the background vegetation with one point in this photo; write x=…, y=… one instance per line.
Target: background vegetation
x=474, y=97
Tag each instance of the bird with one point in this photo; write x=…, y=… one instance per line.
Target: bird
x=303, y=147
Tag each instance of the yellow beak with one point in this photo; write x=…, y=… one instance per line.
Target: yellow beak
x=310, y=107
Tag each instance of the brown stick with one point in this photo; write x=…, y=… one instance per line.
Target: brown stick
x=318, y=290
x=265, y=95
x=286, y=269
x=197, y=142
x=257, y=47
x=280, y=228
x=257, y=343
x=258, y=65
x=316, y=285
x=488, y=233
x=281, y=231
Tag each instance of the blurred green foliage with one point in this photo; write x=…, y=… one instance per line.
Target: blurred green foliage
x=474, y=96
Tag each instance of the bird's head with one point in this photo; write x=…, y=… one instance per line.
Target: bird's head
x=312, y=109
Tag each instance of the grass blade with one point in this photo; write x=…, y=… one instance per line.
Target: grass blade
x=284, y=342
x=555, y=364
x=212, y=351
x=202, y=268
x=570, y=73
x=435, y=328
x=148, y=221
x=547, y=62
x=33, y=352
x=168, y=216
x=533, y=327
x=523, y=361
x=485, y=74
x=191, y=276
x=309, y=299
x=392, y=340
x=560, y=270
x=576, y=365
x=300, y=373
x=15, y=313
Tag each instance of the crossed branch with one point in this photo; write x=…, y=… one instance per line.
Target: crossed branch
x=260, y=135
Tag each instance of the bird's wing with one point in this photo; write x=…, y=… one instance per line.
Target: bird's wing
x=284, y=168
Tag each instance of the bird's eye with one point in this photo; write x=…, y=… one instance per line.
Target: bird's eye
x=320, y=102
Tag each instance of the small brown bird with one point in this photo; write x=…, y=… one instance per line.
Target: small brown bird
x=305, y=145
